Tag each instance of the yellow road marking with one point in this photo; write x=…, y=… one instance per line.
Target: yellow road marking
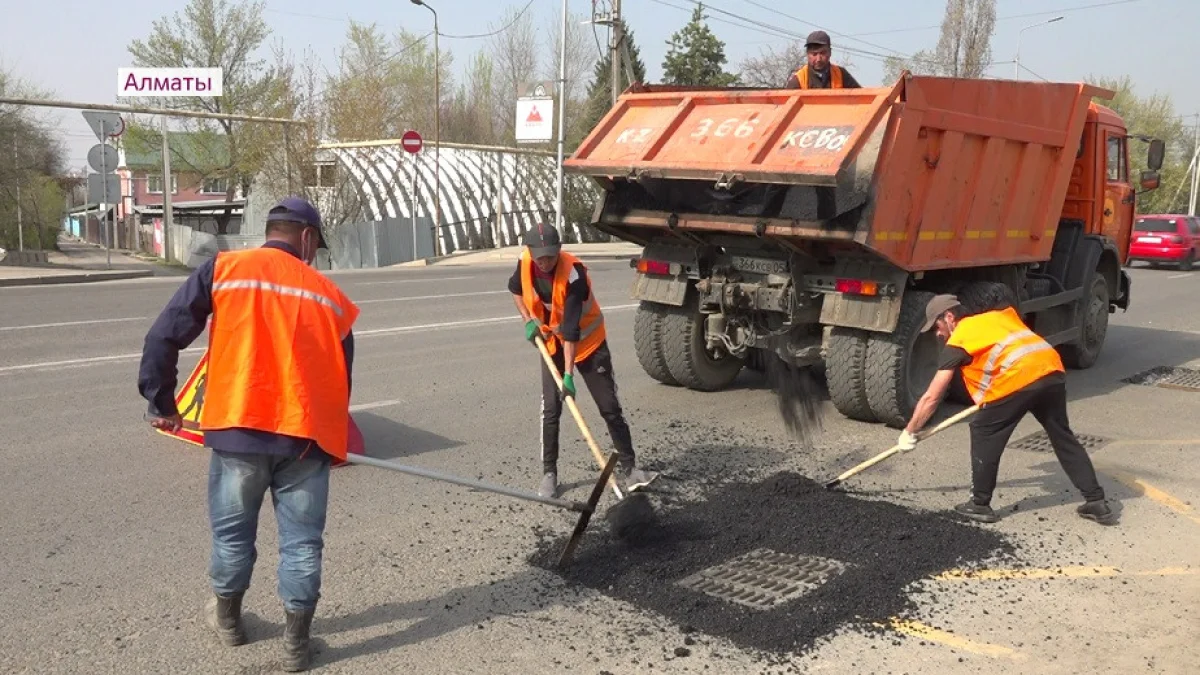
x=1076, y=572
x=1154, y=494
x=919, y=630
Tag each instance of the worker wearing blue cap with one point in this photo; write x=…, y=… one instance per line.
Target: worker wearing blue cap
x=275, y=413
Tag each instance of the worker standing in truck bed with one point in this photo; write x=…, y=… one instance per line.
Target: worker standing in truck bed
x=819, y=73
x=1009, y=370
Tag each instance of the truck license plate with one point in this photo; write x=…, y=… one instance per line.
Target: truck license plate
x=760, y=265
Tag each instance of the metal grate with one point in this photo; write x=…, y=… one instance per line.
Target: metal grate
x=762, y=579
x=1167, y=377
x=1040, y=442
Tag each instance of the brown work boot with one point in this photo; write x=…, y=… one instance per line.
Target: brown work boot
x=224, y=616
x=297, y=656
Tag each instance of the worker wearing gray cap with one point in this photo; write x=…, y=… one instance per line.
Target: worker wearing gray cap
x=1009, y=370
x=819, y=73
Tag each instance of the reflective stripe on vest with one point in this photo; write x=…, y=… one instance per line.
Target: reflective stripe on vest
x=990, y=369
x=258, y=284
x=835, y=77
x=275, y=353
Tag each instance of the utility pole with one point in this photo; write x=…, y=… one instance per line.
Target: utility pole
x=615, y=50
x=1195, y=192
x=21, y=227
x=560, y=221
x=168, y=215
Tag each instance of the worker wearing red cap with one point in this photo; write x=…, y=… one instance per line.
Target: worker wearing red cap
x=819, y=73
x=1009, y=370
x=553, y=293
x=276, y=410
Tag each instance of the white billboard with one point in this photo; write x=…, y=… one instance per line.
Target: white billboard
x=535, y=120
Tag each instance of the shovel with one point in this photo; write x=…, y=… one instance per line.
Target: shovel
x=949, y=422
x=632, y=512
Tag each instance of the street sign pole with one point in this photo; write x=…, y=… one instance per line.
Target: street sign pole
x=414, y=206
x=104, y=201
x=412, y=143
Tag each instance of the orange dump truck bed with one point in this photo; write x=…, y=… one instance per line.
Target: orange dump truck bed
x=952, y=172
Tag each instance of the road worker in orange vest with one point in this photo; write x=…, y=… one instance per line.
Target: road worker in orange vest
x=819, y=73
x=553, y=293
x=1009, y=370
x=276, y=411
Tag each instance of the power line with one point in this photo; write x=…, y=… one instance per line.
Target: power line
x=440, y=34
x=827, y=30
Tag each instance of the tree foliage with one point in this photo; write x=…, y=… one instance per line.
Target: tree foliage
x=33, y=166
x=696, y=57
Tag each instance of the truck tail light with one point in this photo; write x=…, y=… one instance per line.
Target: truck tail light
x=856, y=287
x=653, y=267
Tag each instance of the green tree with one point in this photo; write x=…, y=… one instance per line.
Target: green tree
x=599, y=96
x=213, y=34
x=695, y=57
x=33, y=168
x=1153, y=116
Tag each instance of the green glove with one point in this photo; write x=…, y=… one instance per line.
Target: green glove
x=568, y=385
x=532, y=328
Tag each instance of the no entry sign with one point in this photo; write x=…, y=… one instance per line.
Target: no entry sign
x=411, y=141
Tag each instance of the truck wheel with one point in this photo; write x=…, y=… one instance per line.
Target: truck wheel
x=647, y=341
x=900, y=364
x=984, y=296
x=846, y=373
x=688, y=359
x=1093, y=328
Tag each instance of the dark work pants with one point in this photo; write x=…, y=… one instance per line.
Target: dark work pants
x=994, y=424
x=597, y=372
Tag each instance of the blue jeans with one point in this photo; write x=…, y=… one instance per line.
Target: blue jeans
x=237, y=483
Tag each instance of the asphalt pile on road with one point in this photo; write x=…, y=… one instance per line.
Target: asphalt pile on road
x=884, y=548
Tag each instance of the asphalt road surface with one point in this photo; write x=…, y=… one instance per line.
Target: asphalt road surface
x=105, y=538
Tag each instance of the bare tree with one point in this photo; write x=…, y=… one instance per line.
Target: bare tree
x=32, y=165
x=515, y=55
x=964, y=48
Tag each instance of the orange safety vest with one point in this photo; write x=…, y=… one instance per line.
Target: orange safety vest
x=835, y=77
x=1005, y=355
x=275, y=353
x=591, y=324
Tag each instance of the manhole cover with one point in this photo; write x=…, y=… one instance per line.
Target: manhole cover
x=1040, y=442
x=762, y=578
x=1167, y=377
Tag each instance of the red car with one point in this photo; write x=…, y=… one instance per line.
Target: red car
x=1166, y=239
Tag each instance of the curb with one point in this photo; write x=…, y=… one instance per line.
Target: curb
x=85, y=277
x=452, y=260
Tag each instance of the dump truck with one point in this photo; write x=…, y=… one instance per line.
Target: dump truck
x=814, y=226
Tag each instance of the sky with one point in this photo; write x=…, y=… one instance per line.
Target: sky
x=73, y=49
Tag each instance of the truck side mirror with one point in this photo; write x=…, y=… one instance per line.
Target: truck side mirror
x=1154, y=156
x=1150, y=179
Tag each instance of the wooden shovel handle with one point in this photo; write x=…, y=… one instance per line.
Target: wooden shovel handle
x=948, y=422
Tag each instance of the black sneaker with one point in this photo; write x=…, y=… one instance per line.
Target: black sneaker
x=1098, y=511
x=979, y=512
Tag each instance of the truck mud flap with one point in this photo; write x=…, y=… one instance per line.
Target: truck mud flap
x=659, y=289
x=876, y=314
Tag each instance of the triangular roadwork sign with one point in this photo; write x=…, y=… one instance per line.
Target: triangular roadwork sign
x=190, y=400
x=534, y=115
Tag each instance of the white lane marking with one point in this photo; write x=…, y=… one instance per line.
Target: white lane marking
x=377, y=404
x=367, y=333
x=430, y=297
x=72, y=323
x=1180, y=276
x=412, y=281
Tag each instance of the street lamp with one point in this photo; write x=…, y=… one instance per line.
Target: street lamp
x=437, y=135
x=1017, y=58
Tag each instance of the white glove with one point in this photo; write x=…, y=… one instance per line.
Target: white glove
x=907, y=441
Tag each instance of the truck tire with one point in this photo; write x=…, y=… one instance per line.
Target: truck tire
x=984, y=296
x=688, y=360
x=1093, y=312
x=900, y=364
x=647, y=341
x=846, y=373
